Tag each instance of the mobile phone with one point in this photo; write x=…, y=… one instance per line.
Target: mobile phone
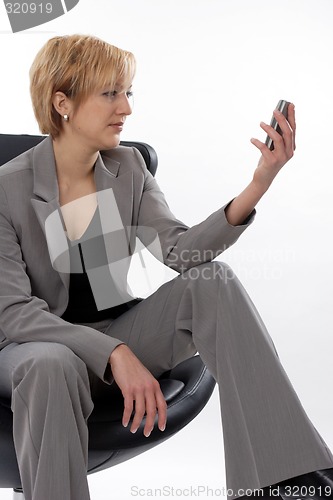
x=283, y=107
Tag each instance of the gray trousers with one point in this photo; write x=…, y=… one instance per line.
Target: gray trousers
x=267, y=434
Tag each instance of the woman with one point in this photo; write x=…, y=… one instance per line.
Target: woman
x=69, y=218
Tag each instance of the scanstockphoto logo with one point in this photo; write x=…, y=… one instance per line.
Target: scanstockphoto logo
x=23, y=15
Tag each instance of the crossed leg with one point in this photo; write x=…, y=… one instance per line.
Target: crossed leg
x=267, y=435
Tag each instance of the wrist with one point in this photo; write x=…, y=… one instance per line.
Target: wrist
x=117, y=351
x=260, y=186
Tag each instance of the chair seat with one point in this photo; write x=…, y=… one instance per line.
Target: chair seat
x=187, y=389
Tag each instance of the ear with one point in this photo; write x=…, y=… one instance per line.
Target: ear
x=62, y=104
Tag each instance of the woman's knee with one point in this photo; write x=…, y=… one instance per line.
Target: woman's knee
x=47, y=359
x=50, y=378
x=210, y=272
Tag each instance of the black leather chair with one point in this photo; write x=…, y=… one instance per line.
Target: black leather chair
x=187, y=388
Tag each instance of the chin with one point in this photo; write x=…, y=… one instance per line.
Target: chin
x=110, y=144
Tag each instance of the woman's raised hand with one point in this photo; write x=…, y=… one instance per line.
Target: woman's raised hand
x=271, y=162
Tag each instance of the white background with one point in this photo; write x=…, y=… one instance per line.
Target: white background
x=208, y=72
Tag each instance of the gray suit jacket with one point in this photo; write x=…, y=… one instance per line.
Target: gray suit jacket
x=34, y=292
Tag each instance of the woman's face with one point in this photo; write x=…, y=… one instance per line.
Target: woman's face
x=99, y=120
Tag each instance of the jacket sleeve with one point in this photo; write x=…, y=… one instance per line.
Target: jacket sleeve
x=26, y=318
x=184, y=247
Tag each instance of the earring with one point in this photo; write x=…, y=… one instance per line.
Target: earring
x=66, y=118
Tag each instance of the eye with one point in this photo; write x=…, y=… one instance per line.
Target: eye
x=111, y=94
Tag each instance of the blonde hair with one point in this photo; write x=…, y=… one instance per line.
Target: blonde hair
x=76, y=65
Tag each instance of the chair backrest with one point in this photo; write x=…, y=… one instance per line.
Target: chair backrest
x=13, y=145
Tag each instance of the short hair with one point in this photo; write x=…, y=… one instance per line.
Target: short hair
x=76, y=65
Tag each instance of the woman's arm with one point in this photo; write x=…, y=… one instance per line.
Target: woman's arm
x=268, y=167
x=188, y=246
x=184, y=247
x=25, y=317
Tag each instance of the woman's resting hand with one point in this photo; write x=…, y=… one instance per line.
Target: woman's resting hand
x=138, y=386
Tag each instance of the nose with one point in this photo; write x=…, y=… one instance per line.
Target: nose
x=125, y=107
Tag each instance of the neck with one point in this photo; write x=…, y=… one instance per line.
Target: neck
x=74, y=162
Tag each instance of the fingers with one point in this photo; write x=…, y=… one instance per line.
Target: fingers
x=162, y=410
x=146, y=403
x=292, y=121
x=140, y=408
x=287, y=129
x=284, y=142
x=275, y=136
x=128, y=410
x=141, y=391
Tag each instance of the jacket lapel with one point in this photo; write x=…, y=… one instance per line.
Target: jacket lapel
x=47, y=207
x=108, y=175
